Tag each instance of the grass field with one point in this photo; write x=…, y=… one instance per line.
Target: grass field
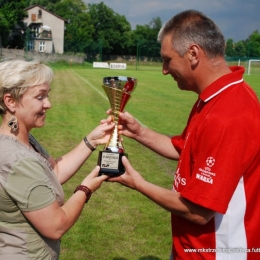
x=117, y=223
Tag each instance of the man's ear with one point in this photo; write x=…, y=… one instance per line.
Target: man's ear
x=194, y=54
x=9, y=102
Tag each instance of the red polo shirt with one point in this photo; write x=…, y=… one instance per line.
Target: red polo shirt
x=219, y=169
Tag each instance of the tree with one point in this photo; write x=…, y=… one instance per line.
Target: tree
x=240, y=49
x=11, y=22
x=146, y=38
x=47, y=4
x=96, y=28
x=156, y=23
x=230, y=52
x=111, y=30
x=79, y=30
x=253, y=45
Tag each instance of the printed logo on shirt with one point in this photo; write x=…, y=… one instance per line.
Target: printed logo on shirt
x=210, y=161
x=205, y=174
x=178, y=179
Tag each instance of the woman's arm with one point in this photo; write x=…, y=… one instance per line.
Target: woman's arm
x=53, y=221
x=67, y=165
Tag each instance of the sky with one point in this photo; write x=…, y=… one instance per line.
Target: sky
x=237, y=19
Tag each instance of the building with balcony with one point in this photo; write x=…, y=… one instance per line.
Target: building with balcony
x=45, y=30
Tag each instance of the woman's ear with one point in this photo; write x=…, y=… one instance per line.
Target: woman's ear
x=9, y=102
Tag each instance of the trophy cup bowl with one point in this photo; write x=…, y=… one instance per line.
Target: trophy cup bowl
x=118, y=90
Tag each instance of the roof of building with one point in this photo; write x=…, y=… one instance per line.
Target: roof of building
x=39, y=6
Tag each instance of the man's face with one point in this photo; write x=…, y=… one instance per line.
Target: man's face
x=178, y=67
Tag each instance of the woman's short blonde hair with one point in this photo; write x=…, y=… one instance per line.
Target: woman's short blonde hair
x=17, y=75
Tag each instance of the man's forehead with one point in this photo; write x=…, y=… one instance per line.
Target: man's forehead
x=166, y=45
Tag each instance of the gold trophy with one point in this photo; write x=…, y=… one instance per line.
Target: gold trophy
x=118, y=90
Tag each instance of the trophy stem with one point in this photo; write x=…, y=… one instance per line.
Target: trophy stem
x=114, y=144
x=118, y=100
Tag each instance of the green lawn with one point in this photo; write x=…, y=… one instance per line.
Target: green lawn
x=117, y=223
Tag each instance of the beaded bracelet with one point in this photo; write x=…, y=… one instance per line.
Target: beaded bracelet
x=88, y=144
x=87, y=191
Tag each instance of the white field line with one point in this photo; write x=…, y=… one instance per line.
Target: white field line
x=100, y=93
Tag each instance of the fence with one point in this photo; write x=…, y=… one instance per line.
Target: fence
x=18, y=54
x=139, y=62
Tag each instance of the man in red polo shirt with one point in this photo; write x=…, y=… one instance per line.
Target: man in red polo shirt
x=215, y=195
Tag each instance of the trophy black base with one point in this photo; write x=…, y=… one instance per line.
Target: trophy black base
x=111, y=163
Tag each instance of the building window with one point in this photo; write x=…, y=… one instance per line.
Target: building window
x=30, y=46
x=34, y=33
x=40, y=14
x=42, y=47
x=33, y=17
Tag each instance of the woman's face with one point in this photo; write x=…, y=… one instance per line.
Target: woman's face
x=31, y=110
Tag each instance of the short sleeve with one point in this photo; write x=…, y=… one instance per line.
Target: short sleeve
x=178, y=142
x=29, y=186
x=219, y=160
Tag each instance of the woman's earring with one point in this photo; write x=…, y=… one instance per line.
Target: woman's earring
x=13, y=124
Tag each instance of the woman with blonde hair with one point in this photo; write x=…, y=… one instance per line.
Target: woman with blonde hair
x=33, y=214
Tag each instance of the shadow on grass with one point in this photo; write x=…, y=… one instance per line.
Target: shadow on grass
x=149, y=257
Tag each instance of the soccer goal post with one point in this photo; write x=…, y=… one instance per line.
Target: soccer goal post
x=250, y=64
